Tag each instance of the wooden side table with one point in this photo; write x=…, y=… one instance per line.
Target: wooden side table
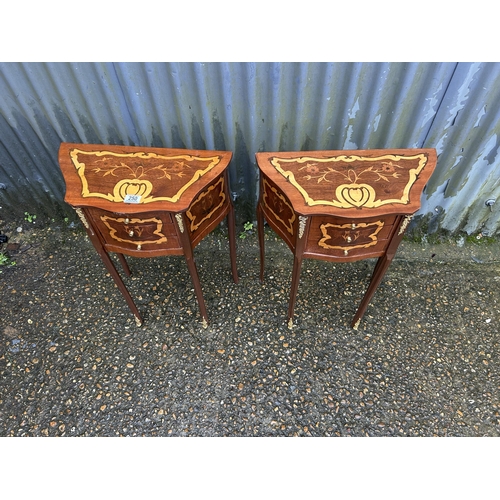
x=148, y=202
x=341, y=206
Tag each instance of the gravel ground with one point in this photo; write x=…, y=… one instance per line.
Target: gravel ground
x=424, y=361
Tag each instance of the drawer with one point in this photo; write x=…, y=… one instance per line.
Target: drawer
x=148, y=231
x=349, y=237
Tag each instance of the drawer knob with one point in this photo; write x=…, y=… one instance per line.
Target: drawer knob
x=346, y=252
x=139, y=247
x=353, y=226
x=348, y=239
x=131, y=233
x=127, y=221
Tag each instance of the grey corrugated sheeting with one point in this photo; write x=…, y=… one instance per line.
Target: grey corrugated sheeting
x=250, y=107
x=466, y=134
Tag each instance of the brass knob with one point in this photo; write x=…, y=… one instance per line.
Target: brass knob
x=127, y=221
x=346, y=252
x=139, y=247
x=131, y=233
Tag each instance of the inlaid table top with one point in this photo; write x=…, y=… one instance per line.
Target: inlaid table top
x=348, y=183
x=105, y=176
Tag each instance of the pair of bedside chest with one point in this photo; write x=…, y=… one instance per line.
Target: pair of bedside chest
x=330, y=205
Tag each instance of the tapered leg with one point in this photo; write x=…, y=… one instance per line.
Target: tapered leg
x=381, y=267
x=378, y=273
x=197, y=288
x=124, y=264
x=260, y=231
x=109, y=264
x=231, y=226
x=121, y=286
x=297, y=265
x=188, y=254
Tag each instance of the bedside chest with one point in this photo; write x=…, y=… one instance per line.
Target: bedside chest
x=341, y=206
x=148, y=202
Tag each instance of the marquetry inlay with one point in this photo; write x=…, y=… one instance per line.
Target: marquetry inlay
x=352, y=181
x=145, y=176
x=344, y=237
x=147, y=230
x=279, y=206
x=207, y=203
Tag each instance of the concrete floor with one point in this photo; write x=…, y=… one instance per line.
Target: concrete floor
x=424, y=361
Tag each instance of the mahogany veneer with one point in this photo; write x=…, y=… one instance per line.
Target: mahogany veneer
x=341, y=206
x=148, y=202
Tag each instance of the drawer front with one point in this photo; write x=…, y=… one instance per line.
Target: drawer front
x=349, y=238
x=208, y=208
x=144, y=231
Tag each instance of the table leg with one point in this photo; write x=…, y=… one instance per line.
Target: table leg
x=121, y=286
x=381, y=267
x=378, y=273
x=297, y=265
x=193, y=271
x=124, y=264
x=260, y=231
x=106, y=259
x=231, y=226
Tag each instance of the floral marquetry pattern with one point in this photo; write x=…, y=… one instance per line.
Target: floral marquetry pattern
x=207, y=203
x=278, y=205
x=352, y=181
x=127, y=230
x=139, y=177
x=344, y=237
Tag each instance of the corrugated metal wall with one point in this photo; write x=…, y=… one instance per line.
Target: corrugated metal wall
x=250, y=107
